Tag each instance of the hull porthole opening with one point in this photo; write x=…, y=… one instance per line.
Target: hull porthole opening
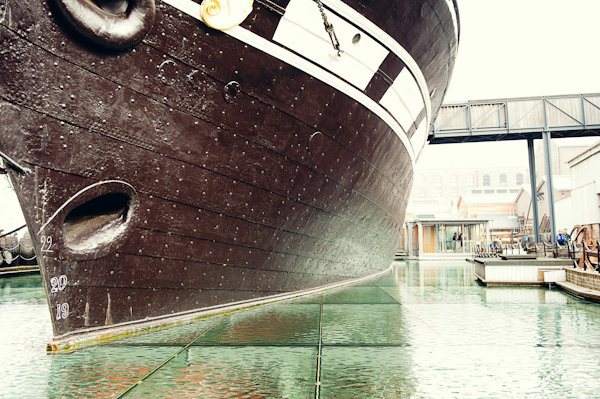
x=94, y=222
x=109, y=24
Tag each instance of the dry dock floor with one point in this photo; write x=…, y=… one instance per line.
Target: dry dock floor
x=425, y=330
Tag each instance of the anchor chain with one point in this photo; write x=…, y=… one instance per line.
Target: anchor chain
x=329, y=29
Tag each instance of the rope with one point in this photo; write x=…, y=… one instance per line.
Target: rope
x=15, y=258
x=24, y=258
x=10, y=232
x=13, y=249
x=18, y=257
x=10, y=249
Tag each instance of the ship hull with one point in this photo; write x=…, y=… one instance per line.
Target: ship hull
x=200, y=170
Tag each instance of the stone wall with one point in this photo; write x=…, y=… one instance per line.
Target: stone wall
x=584, y=278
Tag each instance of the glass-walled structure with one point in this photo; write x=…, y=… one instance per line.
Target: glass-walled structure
x=424, y=236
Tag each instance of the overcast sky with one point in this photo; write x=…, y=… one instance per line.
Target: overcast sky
x=522, y=48
x=518, y=48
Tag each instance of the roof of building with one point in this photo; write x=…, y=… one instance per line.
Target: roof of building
x=559, y=182
x=585, y=154
x=483, y=199
x=501, y=221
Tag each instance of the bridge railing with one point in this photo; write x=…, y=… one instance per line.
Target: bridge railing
x=585, y=254
x=566, y=114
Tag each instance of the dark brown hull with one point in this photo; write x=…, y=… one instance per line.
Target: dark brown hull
x=195, y=171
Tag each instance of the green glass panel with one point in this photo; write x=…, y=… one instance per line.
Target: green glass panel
x=425, y=330
x=239, y=372
x=313, y=298
x=357, y=295
x=370, y=324
x=281, y=324
x=177, y=335
x=359, y=372
x=26, y=288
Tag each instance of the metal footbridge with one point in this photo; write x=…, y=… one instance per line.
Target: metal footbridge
x=518, y=119
x=521, y=119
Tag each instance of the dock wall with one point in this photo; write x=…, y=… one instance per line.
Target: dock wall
x=584, y=278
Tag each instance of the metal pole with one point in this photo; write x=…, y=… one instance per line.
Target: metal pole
x=532, y=182
x=409, y=234
x=598, y=255
x=548, y=160
x=420, y=240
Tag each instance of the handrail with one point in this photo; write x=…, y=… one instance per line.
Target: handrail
x=579, y=253
x=563, y=116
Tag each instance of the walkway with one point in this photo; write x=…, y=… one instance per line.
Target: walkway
x=518, y=118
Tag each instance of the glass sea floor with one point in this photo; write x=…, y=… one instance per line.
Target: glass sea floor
x=425, y=330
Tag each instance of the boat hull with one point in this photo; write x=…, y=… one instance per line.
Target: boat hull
x=194, y=171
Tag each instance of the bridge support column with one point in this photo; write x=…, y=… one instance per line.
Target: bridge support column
x=420, y=239
x=409, y=240
x=533, y=183
x=548, y=161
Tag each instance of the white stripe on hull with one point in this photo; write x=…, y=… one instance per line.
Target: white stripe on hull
x=301, y=30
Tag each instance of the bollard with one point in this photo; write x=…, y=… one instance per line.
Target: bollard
x=544, y=245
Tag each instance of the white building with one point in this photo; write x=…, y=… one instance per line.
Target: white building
x=583, y=206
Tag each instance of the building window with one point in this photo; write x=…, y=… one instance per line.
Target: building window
x=454, y=185
x=519, y=179
x=437, y=185
x=470, y=181
x=486, y=180
x=503, y=179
